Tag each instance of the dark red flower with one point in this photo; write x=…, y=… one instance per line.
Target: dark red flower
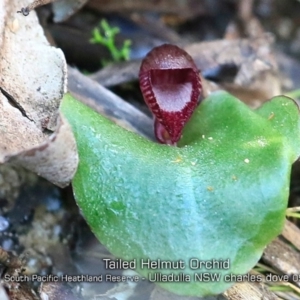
x=171, y=86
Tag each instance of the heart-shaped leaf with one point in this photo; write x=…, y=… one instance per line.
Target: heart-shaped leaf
x=221, y=197
x=171, y=85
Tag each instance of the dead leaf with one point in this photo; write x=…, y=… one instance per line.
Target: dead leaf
x=291, y=233
x=117, y=73
x=32, y=84
x=186, y=9
x=249, y=290
x=249, y=56
x=283, y=257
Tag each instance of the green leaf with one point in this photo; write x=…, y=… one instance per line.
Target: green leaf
x=221, y=196
x=280, y=111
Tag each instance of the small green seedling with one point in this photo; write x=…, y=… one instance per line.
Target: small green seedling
x=105, y=35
